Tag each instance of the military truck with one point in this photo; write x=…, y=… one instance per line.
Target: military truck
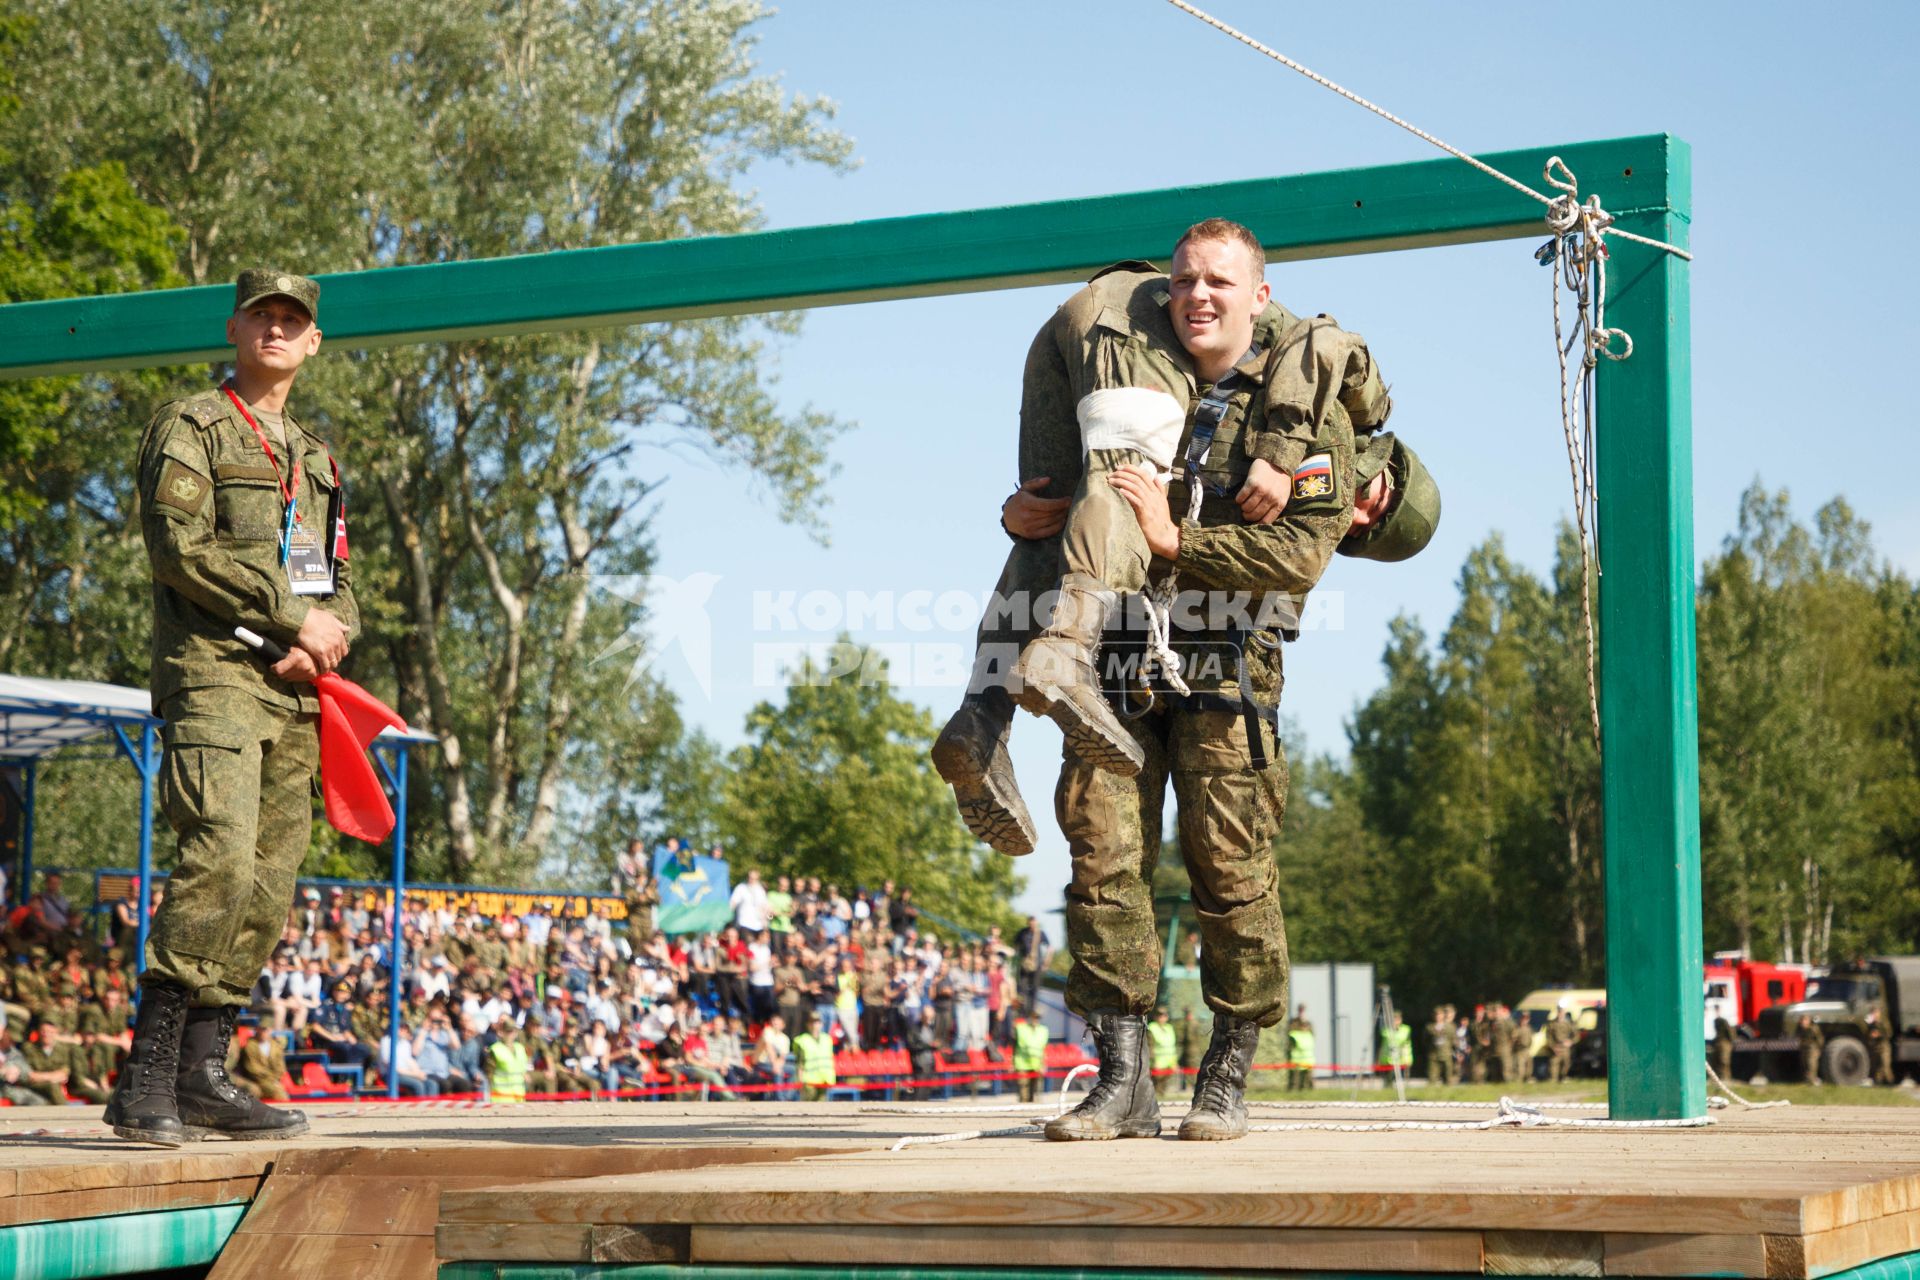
x=1838, y=1003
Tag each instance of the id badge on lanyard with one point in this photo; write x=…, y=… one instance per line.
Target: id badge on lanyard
x=308, y=571
x=302, y=553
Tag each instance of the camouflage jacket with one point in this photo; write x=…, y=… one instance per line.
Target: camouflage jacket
x=211, y=509
x=1116, y=333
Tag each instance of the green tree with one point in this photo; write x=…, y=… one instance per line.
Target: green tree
x=1804, y=774
x=493, y=481
x=836, y=782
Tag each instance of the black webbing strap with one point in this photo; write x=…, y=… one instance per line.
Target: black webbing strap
x=1208, y=415
x=1249, y=711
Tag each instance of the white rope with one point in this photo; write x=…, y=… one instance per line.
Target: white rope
x=1084, y=1069
x=1160, y=656
x=1580, y=232
x=1511, y=1115
x=1578, y=253
x=1415, y=130
x=1359, y=1104
x=935, y=1138
x=1727, y=1089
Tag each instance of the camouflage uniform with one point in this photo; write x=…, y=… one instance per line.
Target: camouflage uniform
x=1561, y=1033
x=89, y=1064
x=1812, y=1040
x=241, y=744
x=1720, y=1051
x=1112, y=334
x=1218, y=745
x=42, y=1057
x=1442, y=1066
x=1500, y=1047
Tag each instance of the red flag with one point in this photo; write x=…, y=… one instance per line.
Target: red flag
x=350, y=719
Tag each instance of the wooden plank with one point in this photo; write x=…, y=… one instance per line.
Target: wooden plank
x=296, y=1204
x=1372, y=210
x=106, y=1201
x=1862, y=1242
x=616, y=1200
x=528, y=1242
x=1864, y=1200
x=642, y=1244
x=1631, y=1254
x=325, y=1257
x=1223, y=1248
x=146, y=1168
x=1544, y=1253
x=513, y=1242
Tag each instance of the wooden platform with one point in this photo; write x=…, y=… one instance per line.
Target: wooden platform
x=378, y=1192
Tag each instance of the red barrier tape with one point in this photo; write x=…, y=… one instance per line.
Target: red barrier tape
x=860, y=1083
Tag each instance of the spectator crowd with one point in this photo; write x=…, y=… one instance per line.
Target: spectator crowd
x=533, y=1003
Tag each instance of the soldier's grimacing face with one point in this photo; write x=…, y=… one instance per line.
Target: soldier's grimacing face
x=1216, y=294
x=275, y=335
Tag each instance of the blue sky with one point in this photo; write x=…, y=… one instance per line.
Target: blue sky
x=1802, y=211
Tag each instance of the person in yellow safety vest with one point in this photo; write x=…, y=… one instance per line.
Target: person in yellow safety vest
x=1164, y=1043
x=1396, y=1043
x=814, y=1049
x=507, y=1064
x=1300, y=1051
x=1029, y=1052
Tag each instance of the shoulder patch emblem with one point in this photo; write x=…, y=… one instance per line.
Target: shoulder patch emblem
x=1313, y=478
x=181, y=489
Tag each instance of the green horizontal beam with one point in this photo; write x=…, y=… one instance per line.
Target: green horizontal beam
x=1319, y=215
x=119, y=1245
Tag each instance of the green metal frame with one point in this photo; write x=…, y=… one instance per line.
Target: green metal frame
x=1644, y=434
x=117, y=1245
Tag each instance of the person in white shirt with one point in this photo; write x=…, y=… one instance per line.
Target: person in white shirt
x=749, y=903
x=433, y=978
x=538, y=925
x=413, y=1081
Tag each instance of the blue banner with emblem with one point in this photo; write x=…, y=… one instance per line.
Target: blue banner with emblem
x=694, y=892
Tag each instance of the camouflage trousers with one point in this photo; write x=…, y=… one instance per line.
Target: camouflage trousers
x=237, y=787
x=1100, y=546
x=1228, y=815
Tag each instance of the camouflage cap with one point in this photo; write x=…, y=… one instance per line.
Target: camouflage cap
x=1415, y=511
x=256, y=283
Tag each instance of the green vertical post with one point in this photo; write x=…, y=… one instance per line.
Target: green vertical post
x=1656, y=1049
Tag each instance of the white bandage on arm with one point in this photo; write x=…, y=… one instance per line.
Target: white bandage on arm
x=1149, y=422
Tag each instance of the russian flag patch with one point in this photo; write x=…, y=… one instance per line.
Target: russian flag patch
x=1313, y=478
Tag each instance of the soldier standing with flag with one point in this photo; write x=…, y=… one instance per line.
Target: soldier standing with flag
x=243, y=516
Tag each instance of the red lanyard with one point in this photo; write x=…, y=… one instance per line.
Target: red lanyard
x=287, y=491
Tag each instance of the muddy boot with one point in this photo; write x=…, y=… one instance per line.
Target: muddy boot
x=1056, y=678
x=144, y=1106
x=971, y=754
x=211, y=1104
x=1121, y=1104
x=1219, y=1110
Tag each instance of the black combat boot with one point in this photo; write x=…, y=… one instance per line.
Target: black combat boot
x=144, y=1106
x=971, y=754
x=1219, y=1110
x=211, y=1104
x=1121, y=1104
x=1055, y=677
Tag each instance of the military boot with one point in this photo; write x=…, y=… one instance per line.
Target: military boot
x=144, y=1106
x=971, y=754
x=1219, y=1110
x=1055, y=678
x=1121, y=1103
x=211, y=1104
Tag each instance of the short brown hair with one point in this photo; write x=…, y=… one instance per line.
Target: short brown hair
x=1230, y=231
